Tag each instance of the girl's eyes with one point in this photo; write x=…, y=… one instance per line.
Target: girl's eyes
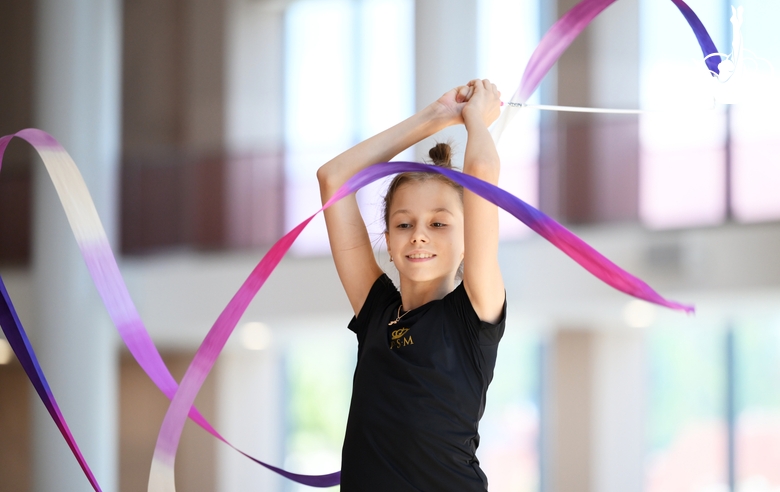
x=436, y=225
x=407, y=225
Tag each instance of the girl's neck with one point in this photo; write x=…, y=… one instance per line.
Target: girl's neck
x=416, y=294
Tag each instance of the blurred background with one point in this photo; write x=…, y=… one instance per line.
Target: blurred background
x=199, y=125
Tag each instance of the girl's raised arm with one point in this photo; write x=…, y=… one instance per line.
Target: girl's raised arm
x=481, y=273
x=349, y=241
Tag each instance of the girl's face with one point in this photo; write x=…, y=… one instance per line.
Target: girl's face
x=425, y=231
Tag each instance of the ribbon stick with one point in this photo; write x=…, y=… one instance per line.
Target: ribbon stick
x=552, y=45
x=560, y=36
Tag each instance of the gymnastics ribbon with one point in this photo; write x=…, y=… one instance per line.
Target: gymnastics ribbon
x=101, y=263
x=105, y=273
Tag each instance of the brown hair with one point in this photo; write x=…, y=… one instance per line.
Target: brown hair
x=441, y=155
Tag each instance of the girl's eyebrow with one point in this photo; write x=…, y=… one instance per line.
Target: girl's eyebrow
x=408, y=212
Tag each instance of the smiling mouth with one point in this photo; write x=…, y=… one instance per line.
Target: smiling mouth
x=420, y=256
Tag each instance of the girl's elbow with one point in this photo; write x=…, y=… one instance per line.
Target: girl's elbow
x=326, y=177
x=323, y=175
x=329, y=181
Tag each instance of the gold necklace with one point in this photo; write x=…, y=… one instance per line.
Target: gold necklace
x=398, y=316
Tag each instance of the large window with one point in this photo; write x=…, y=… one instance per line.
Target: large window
x=509, y=449
x=508, y=33
x=349, y=74
x=318, y=369
x=756, y=421
x=701, y=166
x=682, y=173
x=687, y=431
x=714, y=407
x=755, y=134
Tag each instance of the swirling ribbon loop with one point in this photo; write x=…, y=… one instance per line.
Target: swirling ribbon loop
x=103, y=268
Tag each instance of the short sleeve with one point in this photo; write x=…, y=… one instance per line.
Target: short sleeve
x=487, y=333
x=382, y=293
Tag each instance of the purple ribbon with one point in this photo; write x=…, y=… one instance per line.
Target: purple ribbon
x=708, y=48
x=20, y=344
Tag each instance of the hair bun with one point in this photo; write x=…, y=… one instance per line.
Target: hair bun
x=441, y=154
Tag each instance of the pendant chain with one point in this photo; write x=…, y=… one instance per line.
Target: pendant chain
x=398, y=316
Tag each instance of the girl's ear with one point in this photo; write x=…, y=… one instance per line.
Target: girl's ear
x=387, y=242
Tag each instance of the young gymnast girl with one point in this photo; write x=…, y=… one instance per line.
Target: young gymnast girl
x=425, y=354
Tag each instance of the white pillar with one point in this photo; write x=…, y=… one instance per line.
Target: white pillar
x=249, y=398
x=596, y=411
x=619, y=402
x=254, y=100
x=254, y=121
x=568, y=459
x=77, y=101
x=446, y=56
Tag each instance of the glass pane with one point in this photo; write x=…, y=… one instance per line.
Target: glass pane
x=386, y=89
x=755, y=133
x=682, y=155
x=686, y=428
x=509, y=448
x=508, y=34
x=319, y=44
x=349, y=74
x=318, y=365
x=758, y=396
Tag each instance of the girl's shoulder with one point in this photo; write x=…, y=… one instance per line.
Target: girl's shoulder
x=459, y=305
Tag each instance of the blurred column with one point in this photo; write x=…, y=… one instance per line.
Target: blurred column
x=254, y=121
x=446, y=56
x=77, y=101
x=596, y=401
x=254, y=97
x=250, y=412
x=568, y=459
x=619, y=402
x=590, y=162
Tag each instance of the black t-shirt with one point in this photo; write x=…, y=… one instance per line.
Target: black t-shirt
x=418, y=394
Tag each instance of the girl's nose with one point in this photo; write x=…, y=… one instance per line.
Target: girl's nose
x=419, y=237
